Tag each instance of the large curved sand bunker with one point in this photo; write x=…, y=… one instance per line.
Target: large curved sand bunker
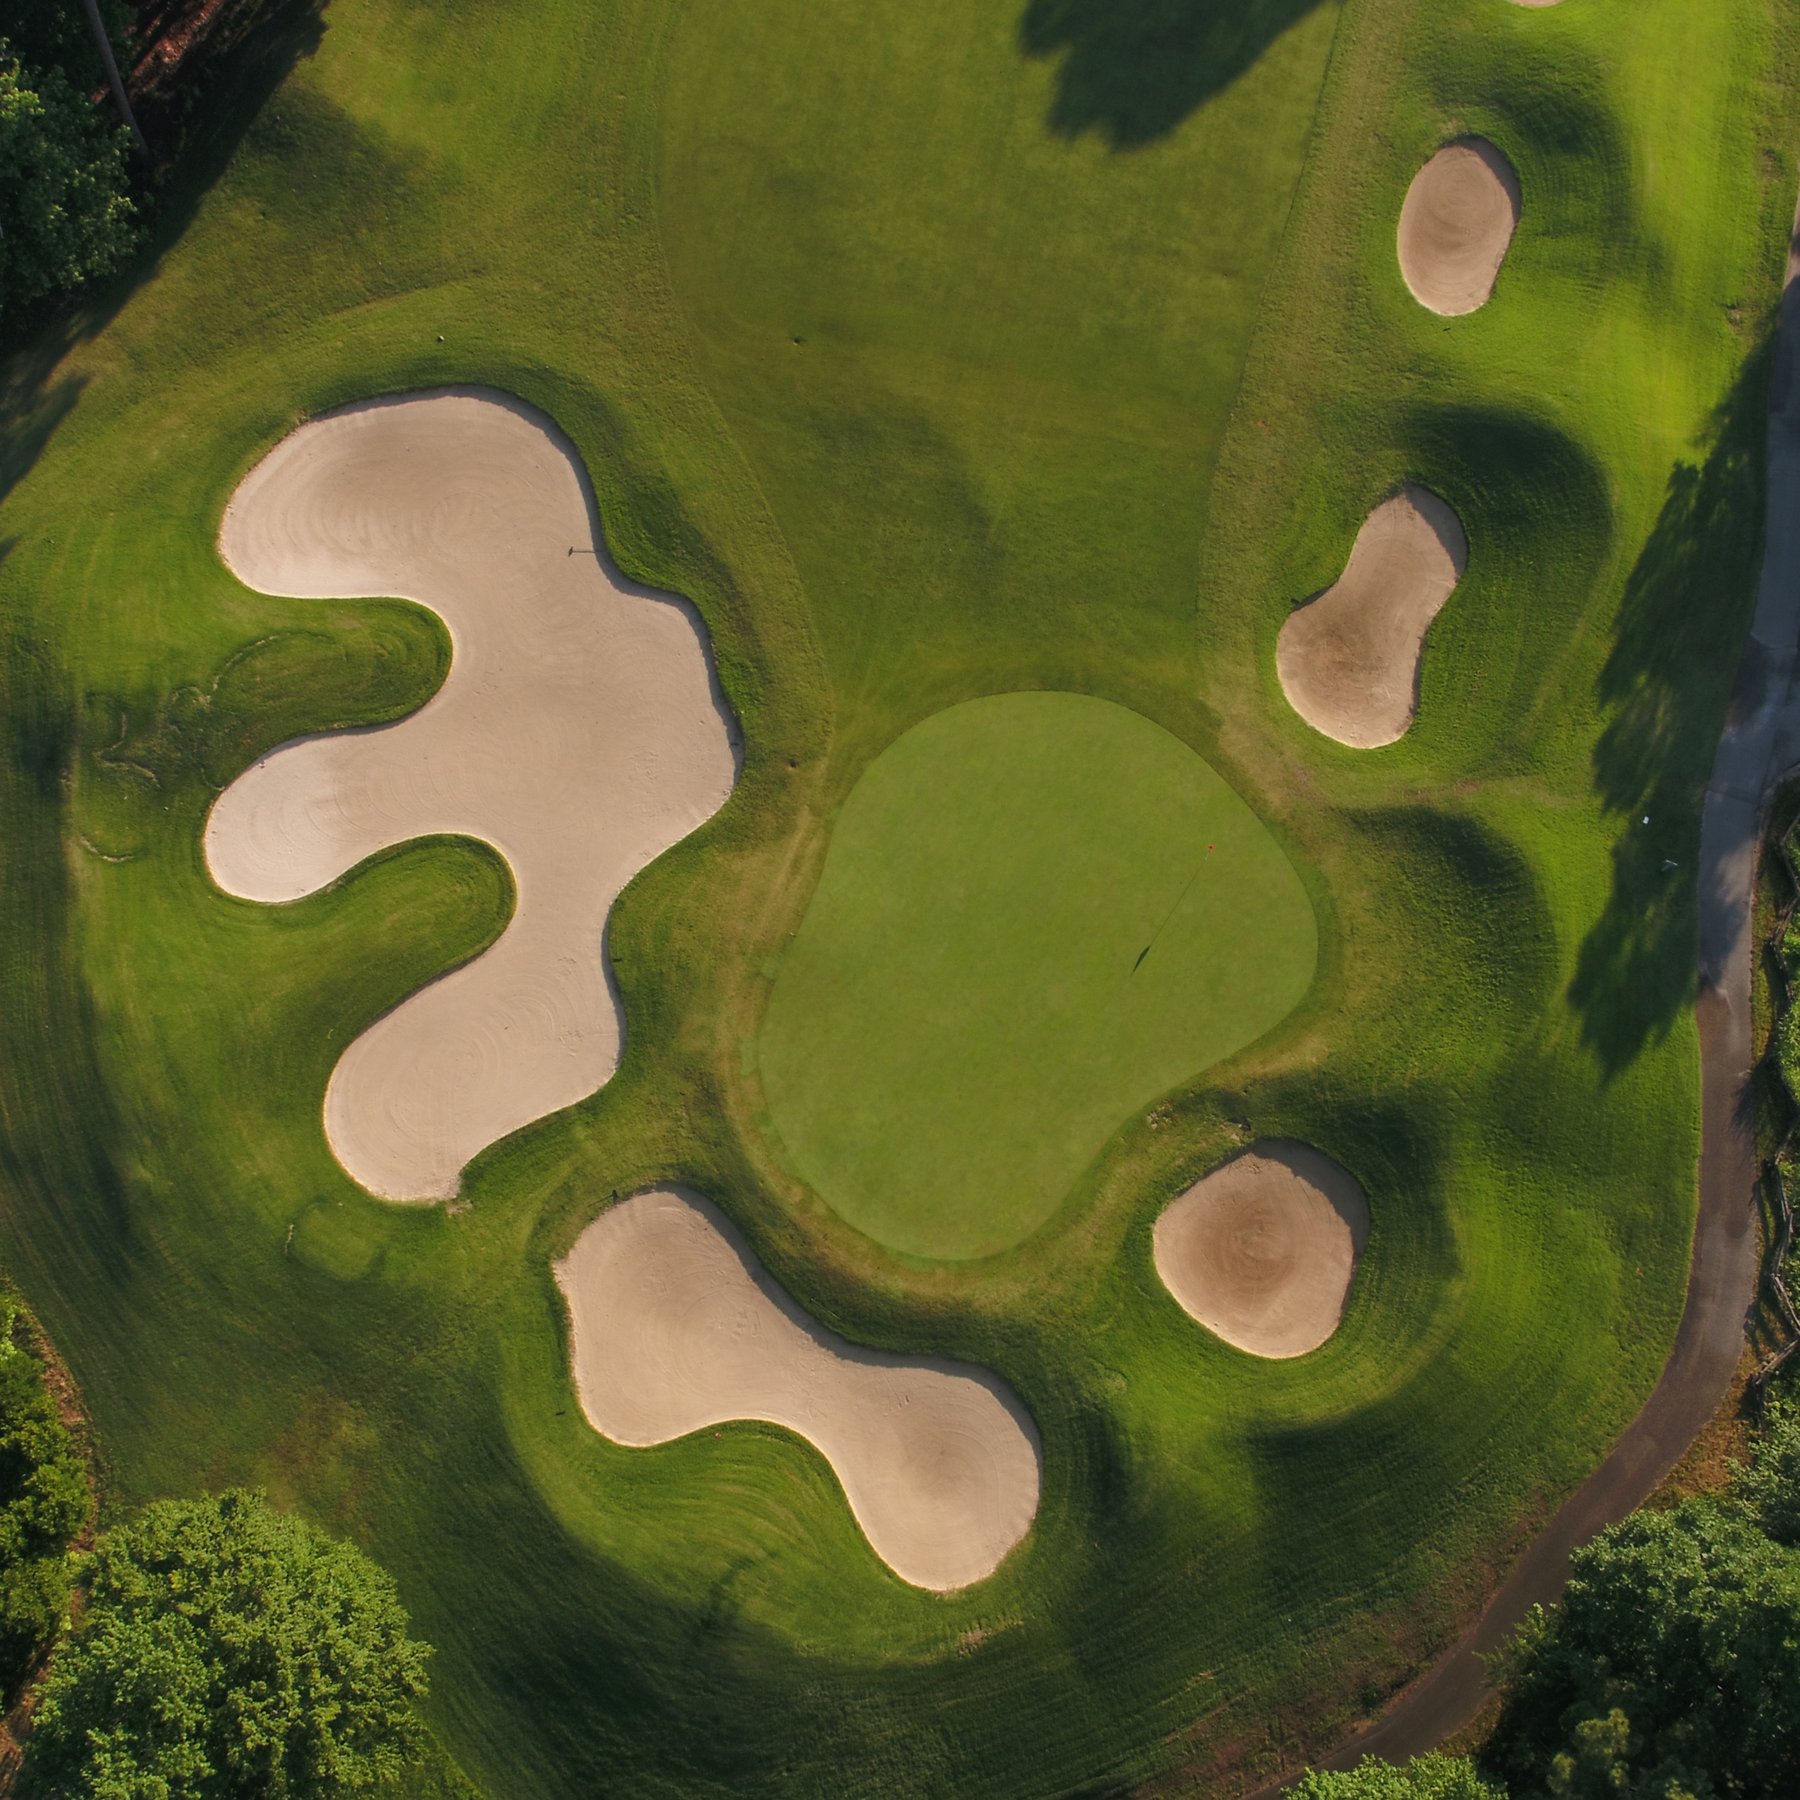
x=677, y=1327
x=1349, y=659
x=1456, y=226
x=1261, y=1251
x=580, y=732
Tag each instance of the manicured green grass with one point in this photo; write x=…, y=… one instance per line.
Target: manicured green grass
x=1039, y=912
x=981, y=367
x=1102, y=356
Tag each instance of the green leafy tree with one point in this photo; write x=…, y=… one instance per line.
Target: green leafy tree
x=58, y=34
x=1770, y=1487
x=228, y=1651
x=43, y=1504
x=1669, y=1670
x=65, y=215
x=1434, y=1777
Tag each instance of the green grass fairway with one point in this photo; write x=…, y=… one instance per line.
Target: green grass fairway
x=939, y=349
x=1039, y=912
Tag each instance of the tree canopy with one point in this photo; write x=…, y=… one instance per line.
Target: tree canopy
x=54, y=34
x=43, y=1504
x=65, y=213
x=1668, y=1671
x=228, y=1651
x=1434, y=1777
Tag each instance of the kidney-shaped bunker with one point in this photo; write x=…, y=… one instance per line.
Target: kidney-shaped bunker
x=1349, y=659
x=676, y=1326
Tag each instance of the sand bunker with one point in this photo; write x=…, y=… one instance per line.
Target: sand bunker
x=1456, y=226
x=1262, y=1250
x=677, y=1327
x=1349, y=659
x=580, y=732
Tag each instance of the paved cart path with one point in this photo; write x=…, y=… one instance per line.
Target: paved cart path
x=1761, y=739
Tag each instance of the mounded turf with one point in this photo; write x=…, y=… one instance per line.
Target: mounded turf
x=1038, y=913
x=1104, y=356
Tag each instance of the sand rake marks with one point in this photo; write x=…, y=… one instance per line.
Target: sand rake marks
x=1349, y=659
x=580, y=732
x=675, y=1327
x=1262, y=1251
x=1456, y=226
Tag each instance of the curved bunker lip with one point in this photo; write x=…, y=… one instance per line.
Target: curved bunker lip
x=580, y=732
x=1456, y=226
x=1262, y=1250
x=1349, y=659
x=676, y=1326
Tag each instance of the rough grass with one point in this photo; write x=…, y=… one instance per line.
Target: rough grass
x=1039, y=912
x=1103, y=355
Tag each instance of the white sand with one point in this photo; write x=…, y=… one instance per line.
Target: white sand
x=676, y=1327
x=580, y=732
x=1456, y=225
x=1261, y=1251
x=1349, y=659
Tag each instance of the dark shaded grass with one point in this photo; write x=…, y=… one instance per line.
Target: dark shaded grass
x=63, y=1139
x=1663, y=689
x=1133, y=70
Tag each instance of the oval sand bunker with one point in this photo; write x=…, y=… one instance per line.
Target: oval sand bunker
x=580, y=732
x=676, y=1327
x=1349, y=659
x=1261, y=1251
x=1456, y=226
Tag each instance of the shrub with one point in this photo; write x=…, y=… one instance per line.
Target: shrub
x=1434, y=1777
x=228, y=1651
x=43, y=1504
x=1667, y=1671
x=65, y=215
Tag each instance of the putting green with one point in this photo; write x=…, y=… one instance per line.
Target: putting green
x=1038, y=913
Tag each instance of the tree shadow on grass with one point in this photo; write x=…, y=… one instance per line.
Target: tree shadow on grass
x=35, y=398
x=226, y=78
x=202, y=71
x=65, y=1147
x=1134, y=69
x=1663, y=691
x=63, y=1142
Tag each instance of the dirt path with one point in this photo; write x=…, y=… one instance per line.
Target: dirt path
x=1761, y=739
